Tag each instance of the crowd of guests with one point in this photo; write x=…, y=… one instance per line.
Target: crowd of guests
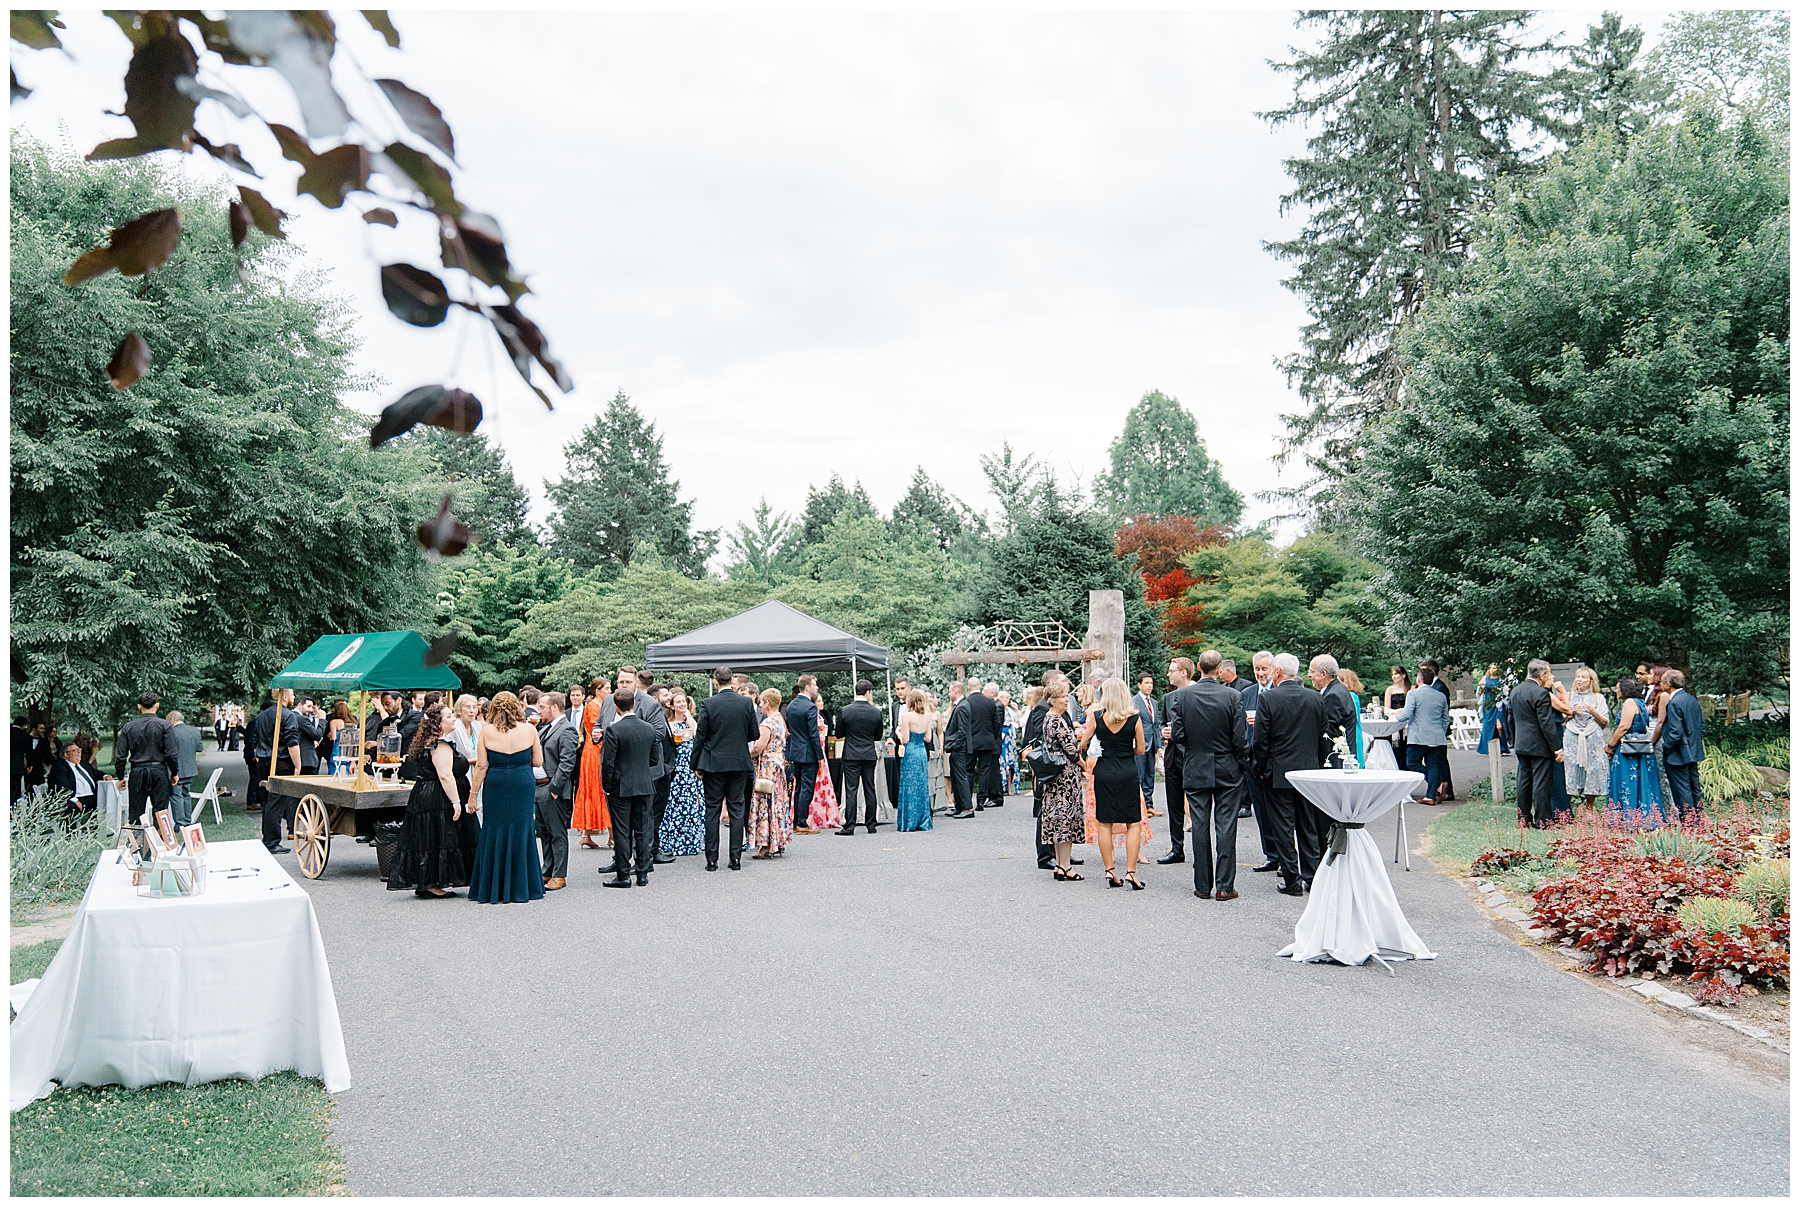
x=155, y=757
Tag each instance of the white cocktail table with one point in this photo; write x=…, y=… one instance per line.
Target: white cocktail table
x=1352, y=915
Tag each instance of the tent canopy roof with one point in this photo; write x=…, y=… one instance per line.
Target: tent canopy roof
x=367, y=661
x=769, y=637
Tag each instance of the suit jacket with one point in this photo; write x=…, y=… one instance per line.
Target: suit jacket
x=627, y=764
x=1683, y=730
x=1534, y=721
x=1250, y=690
x=956, y=729
x=62, y=775
x=860, y=725
x=1290, y=732
x=562, y=743
x=723, y=729
x=186, y=740
x=1340, y=711
x=1207, y=723
x=802, y=717
x=894, y=711
x=1426, y=717
x=312, y=732
x=410, y=720
x=1168, y=710
x=1153, y=721
x=645, y=708
x=985, y=721
x=1034, y=726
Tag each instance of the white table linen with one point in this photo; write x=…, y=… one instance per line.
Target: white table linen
x=1352, y=913
x=232, y=983
x=1378, y=753
x=109, y=799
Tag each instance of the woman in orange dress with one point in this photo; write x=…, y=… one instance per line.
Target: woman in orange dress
x=590, y=799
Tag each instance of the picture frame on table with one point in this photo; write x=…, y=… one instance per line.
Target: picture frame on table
x=193, y=839
x=152, y=842
x=165, y=828
x=128, y=838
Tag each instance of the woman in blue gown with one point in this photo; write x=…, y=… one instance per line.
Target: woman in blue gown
x=914, y=812
x=1633, y=789
x=506, y=858
x=683, y=824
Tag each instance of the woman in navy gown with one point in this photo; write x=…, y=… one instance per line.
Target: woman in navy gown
x=914, y=812
x=506, y=858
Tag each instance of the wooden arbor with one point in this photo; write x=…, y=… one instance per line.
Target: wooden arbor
x=1016, y=641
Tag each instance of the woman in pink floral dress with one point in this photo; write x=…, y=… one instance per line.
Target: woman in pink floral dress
x=825, y=813
x=771, y=813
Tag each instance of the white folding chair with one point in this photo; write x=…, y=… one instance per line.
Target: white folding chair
x=210, y=795
x=1465, y=728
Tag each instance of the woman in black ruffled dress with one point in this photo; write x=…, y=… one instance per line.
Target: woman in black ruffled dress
x=438, y=836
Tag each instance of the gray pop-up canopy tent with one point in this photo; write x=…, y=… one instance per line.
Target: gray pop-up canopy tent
x=769, y=637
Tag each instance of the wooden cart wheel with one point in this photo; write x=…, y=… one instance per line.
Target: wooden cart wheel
x=312, y=836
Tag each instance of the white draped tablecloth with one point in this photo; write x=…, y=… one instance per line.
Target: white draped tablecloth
x=109, y=800
x=1352, y=913
x=232, y=983
x=1378, y=753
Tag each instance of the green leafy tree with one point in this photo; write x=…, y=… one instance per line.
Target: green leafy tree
x=1160, y=468
x=195, y=530
x=1020, y=483
x=763, y=550
x=1417, y=113
x=1593, y=457
x=824, y=506
x=903, y=593
x=928, y=508
x=487, y=594
x=616, y=492
x=1045, y=565
x=1735, y=61
x=1604, y=86
x=485, y=494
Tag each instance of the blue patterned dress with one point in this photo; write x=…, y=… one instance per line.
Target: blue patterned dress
x=1009, y=755
x=1633, y=789
x=683, y=830
x=915, y=795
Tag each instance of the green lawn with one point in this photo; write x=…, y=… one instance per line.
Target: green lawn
x=1456, y=837
x=269, y=1137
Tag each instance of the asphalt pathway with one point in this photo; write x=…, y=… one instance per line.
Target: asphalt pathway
x=930, y=1014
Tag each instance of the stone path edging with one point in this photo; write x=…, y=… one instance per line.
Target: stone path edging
x=1497, y=902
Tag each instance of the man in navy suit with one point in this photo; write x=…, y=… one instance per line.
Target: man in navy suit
x=804, y=753
x=1145, y=701
x=1683, y=734
x=724, y=728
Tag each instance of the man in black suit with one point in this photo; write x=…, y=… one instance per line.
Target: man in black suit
x=1207, y=722
x=724, y=728
x=1340, y=708
x=74, y=777
x=1535, y=743
x=655, y=713
x=628, y=777
x=1145, y=703
x=1262, y=665
x=986, y=720
x=1229, y=677
x=896, y=706
x=263, y=748
x=860, y=725
x=562, y=742
x=1290, y=736
x=956, y=749
x=804, y=753
x=1181, y=674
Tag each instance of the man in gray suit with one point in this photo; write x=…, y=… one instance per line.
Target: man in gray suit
x=1535, y=743
x=1206, y=720
x=186, y=740
x=562, y=743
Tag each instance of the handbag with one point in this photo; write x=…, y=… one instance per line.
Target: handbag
x=765, y=785
x=1636, y=745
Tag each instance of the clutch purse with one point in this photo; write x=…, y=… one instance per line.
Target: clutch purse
x=765, y=785
x=1636, y=744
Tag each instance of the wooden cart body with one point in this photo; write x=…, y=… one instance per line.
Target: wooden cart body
x=329, y=806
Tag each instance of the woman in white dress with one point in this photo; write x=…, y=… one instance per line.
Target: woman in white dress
x=1585, y=765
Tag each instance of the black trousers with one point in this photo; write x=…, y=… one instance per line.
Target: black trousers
x=891, y=765
x=276, y=809
x=659, y=804
x=554, y=815
x=1215, y=813
x=1265, y=820
x=1176, y=800
x=804, y=777
x=259, y=771
x=961, y=764
x=1282, y=803
x=148, y=785
x=985, y=767
x=730, y=789
x=1311, y=825
x=1046, y=852
x=631, y=833
x=1537, y=783
x=859, y=774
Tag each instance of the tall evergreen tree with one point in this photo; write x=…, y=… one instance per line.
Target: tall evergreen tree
x=762, y=551
x=824, y=506
x=1604, y=85
x=617, y=492
x=1417, y=112
x=929, y=510
x=1160, y=468
x=486, y=495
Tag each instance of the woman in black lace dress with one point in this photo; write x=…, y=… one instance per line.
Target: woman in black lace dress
x=438, y=836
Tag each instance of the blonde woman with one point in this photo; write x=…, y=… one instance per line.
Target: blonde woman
x=507, y=753
x=771, y=812
x=1585, y=765
x=1118, y=800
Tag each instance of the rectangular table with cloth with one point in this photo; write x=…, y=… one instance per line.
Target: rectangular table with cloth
x=1352, y=914
x=232, y=983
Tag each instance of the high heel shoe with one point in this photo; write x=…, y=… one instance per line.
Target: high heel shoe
x=1131, y=878
x=1112, y=879
x=1066, y=874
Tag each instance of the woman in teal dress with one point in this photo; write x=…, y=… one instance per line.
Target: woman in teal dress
x=1633, y=789
x=914, y=811
x=506, y=857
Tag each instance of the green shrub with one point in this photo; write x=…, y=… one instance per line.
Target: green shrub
x=1763, y=886
x=1483, y=789
x=1671, y=842
x=52, y=853
x=1710, y=915
x=1726, y=777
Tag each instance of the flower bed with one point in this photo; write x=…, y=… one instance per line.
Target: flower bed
x=1617, y=896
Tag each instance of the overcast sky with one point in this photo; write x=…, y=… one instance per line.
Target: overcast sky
x=809, y=243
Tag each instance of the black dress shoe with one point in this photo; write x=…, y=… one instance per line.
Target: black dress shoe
x=1245, y=811
x=644, y=880
x=712, y=865
x=735, y=866
x=1273, y=865
x=281, y=850
x=663, y=859
x=871, y=829
x=1046, y=865
x=963, y=814
x=616, y=882
x=847, y=831
x=1291, y=890
x=1173, y=857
